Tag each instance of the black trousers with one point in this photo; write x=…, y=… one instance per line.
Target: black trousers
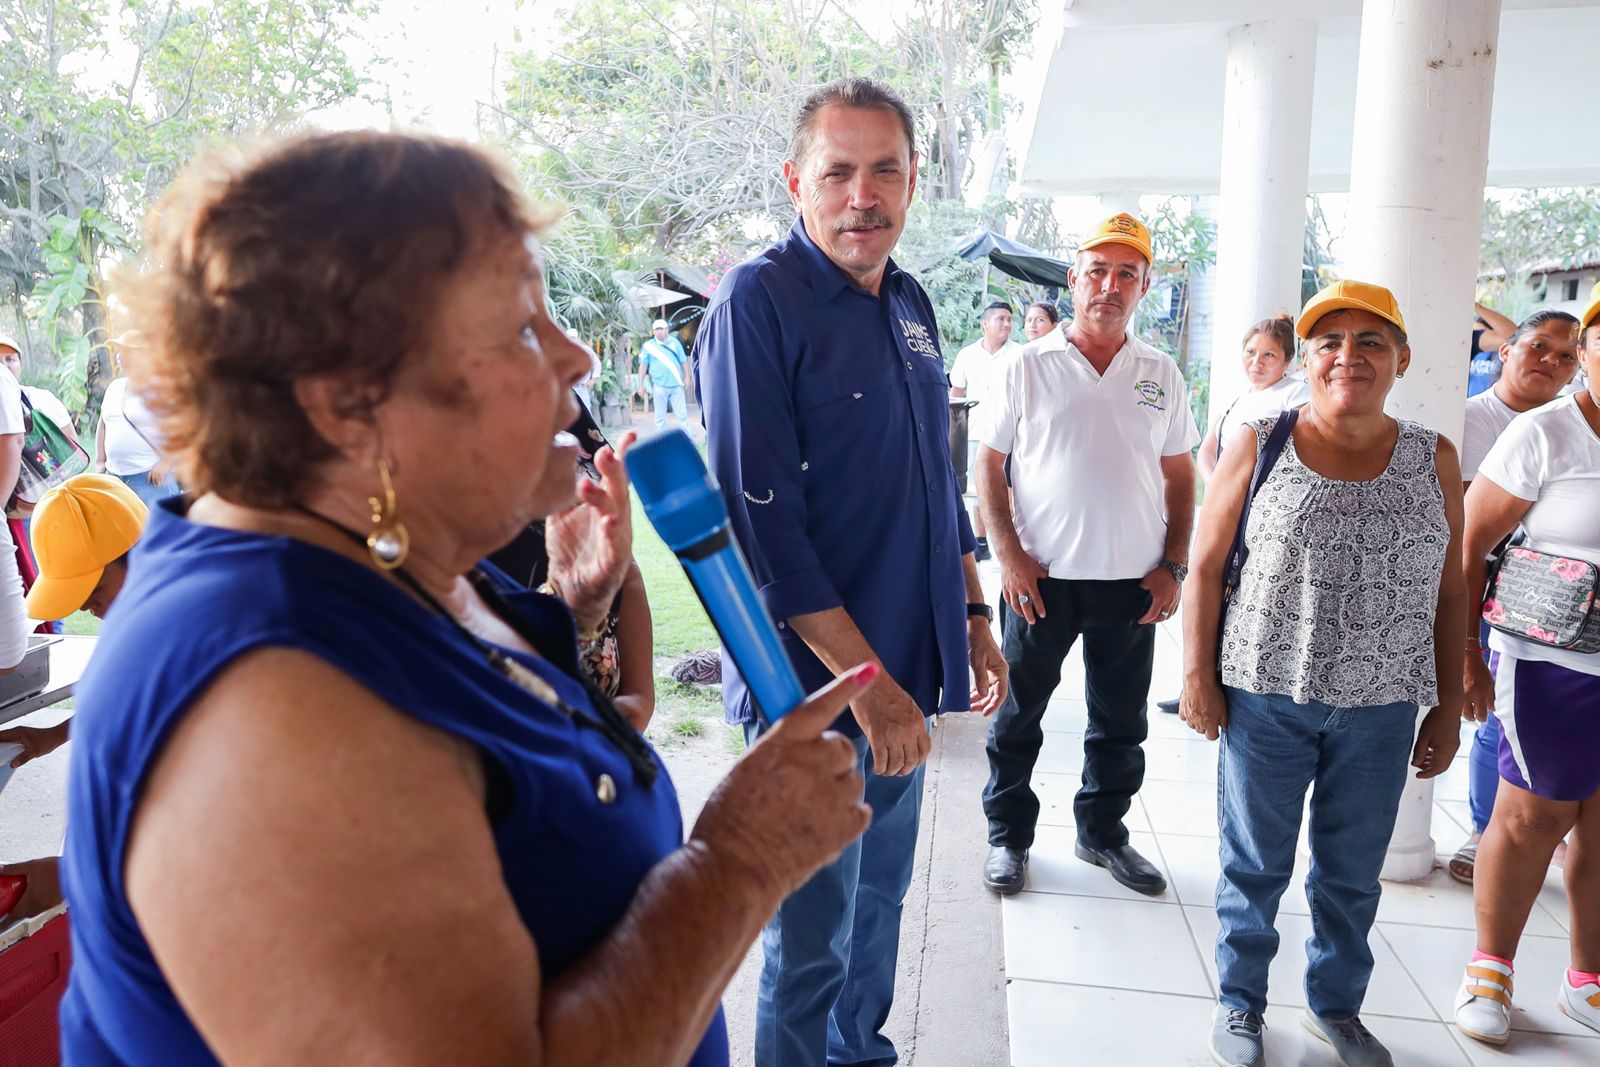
x=1118, y=654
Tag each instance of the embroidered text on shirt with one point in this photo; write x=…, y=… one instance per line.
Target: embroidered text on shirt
x=918, y=339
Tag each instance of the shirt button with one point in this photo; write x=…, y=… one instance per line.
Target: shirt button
x=937, y=549
x=920, y=426
x=605, y=789
x=908, y=364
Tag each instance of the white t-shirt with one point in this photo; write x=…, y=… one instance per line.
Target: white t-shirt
x=1287, y=392
x=1089, y=496
x=11, y=420
x=977, y=370
x=1487, y=418
x=1551, y=456
x=128, y=451
x=14, y=624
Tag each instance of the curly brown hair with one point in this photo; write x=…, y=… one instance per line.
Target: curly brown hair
x=317, y=255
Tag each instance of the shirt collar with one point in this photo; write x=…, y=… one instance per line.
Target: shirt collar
x=827, y=280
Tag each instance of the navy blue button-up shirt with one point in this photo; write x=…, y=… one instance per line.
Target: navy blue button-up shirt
x=827, y=415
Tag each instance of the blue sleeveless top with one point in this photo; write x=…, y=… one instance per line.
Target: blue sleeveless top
x=198, y=597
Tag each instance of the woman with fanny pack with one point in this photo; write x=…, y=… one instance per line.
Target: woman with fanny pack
x=1544, y=475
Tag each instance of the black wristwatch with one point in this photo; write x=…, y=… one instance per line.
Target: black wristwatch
x=1179, y=571
x=975, y=610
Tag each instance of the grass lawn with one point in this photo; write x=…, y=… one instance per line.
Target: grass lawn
x=681, y=624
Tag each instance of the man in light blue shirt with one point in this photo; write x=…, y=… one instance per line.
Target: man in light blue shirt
x=665, y=364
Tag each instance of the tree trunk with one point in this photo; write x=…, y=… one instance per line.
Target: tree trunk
x=99, y=372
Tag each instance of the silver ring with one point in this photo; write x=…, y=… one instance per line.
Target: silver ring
x=1166, y=614
x=1024, y=598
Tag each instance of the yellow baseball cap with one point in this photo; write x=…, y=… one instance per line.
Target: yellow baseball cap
x=77, y=528
x=1120, y=229
x=1349, y=295
x=1592, y=312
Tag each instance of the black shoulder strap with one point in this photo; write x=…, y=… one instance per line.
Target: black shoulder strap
x=1266, y=459
x=1225, y=413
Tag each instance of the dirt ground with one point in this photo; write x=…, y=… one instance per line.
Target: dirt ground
x=950, y=1004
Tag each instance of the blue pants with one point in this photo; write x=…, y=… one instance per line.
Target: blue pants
x=829, y=955
x=1483, y=772
x=151, y=494
x=670, y=396
x=1354, y=760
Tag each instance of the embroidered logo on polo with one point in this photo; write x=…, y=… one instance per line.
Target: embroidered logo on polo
x=918, y=339
x=1151, y=395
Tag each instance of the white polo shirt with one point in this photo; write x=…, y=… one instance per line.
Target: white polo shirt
x=1088, y=494
x=977, y=370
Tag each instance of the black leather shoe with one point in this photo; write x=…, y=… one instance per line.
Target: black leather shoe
x=1006, y=869
x=1126, y=866
x=1168, y=706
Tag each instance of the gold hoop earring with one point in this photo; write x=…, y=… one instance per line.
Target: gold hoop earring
x=389, y=542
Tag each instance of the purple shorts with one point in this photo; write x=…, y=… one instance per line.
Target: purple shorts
x=1550, y=727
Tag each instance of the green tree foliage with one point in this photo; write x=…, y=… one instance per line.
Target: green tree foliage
x=669, y=122
x=102, y=101
x=1535, y=228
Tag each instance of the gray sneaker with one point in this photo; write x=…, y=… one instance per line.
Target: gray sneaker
x=1353, y=1044
x=1236, y=1038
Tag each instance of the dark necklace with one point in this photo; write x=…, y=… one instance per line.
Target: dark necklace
x=607, y=720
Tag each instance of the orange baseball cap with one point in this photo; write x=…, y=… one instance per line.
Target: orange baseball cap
x=77, y=528
x=1592, y=312
x=1120, y=229
x=1349, y=295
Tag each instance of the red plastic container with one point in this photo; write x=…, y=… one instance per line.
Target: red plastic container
x=33, y=977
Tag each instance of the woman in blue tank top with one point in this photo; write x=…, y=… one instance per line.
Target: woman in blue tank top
x=339, y=792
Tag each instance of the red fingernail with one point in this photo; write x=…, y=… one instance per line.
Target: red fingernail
x=867, y=674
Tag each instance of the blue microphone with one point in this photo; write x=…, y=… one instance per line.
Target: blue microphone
x=686, y=508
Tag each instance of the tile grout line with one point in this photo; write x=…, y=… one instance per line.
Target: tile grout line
x=1406, y=970
x=1194, y=939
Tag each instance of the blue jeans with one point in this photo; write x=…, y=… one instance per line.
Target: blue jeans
x=670, y=396
x=151, y=494
x=829, y=955
x=1273, y=751
x=1483, y=772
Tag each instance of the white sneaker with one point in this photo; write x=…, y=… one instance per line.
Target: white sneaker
x=1483, y=1004
x=1581, y=1005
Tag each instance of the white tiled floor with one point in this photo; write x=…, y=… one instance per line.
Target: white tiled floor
x=1101, y=975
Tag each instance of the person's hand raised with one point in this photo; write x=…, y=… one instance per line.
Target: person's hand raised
x=590, y=544
x=793, y=803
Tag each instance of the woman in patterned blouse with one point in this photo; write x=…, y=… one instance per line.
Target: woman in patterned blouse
x=1346, y=622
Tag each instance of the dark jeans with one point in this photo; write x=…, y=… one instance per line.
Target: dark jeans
x=1118, y=654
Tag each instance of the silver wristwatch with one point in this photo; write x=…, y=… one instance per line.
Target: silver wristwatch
x=1179, y=571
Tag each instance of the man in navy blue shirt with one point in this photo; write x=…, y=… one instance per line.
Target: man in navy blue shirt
x=824, y=399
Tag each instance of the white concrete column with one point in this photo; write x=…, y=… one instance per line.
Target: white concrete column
x=1119, y=201
x=1423, y=96
x=1261, y=214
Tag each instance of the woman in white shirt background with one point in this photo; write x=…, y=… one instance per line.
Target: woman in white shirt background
x=1537, y=363
x=1268, y=354
x=125, y=444
x=14, y=624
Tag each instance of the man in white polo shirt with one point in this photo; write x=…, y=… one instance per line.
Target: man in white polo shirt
x=976, y=369
x=1099, y=432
